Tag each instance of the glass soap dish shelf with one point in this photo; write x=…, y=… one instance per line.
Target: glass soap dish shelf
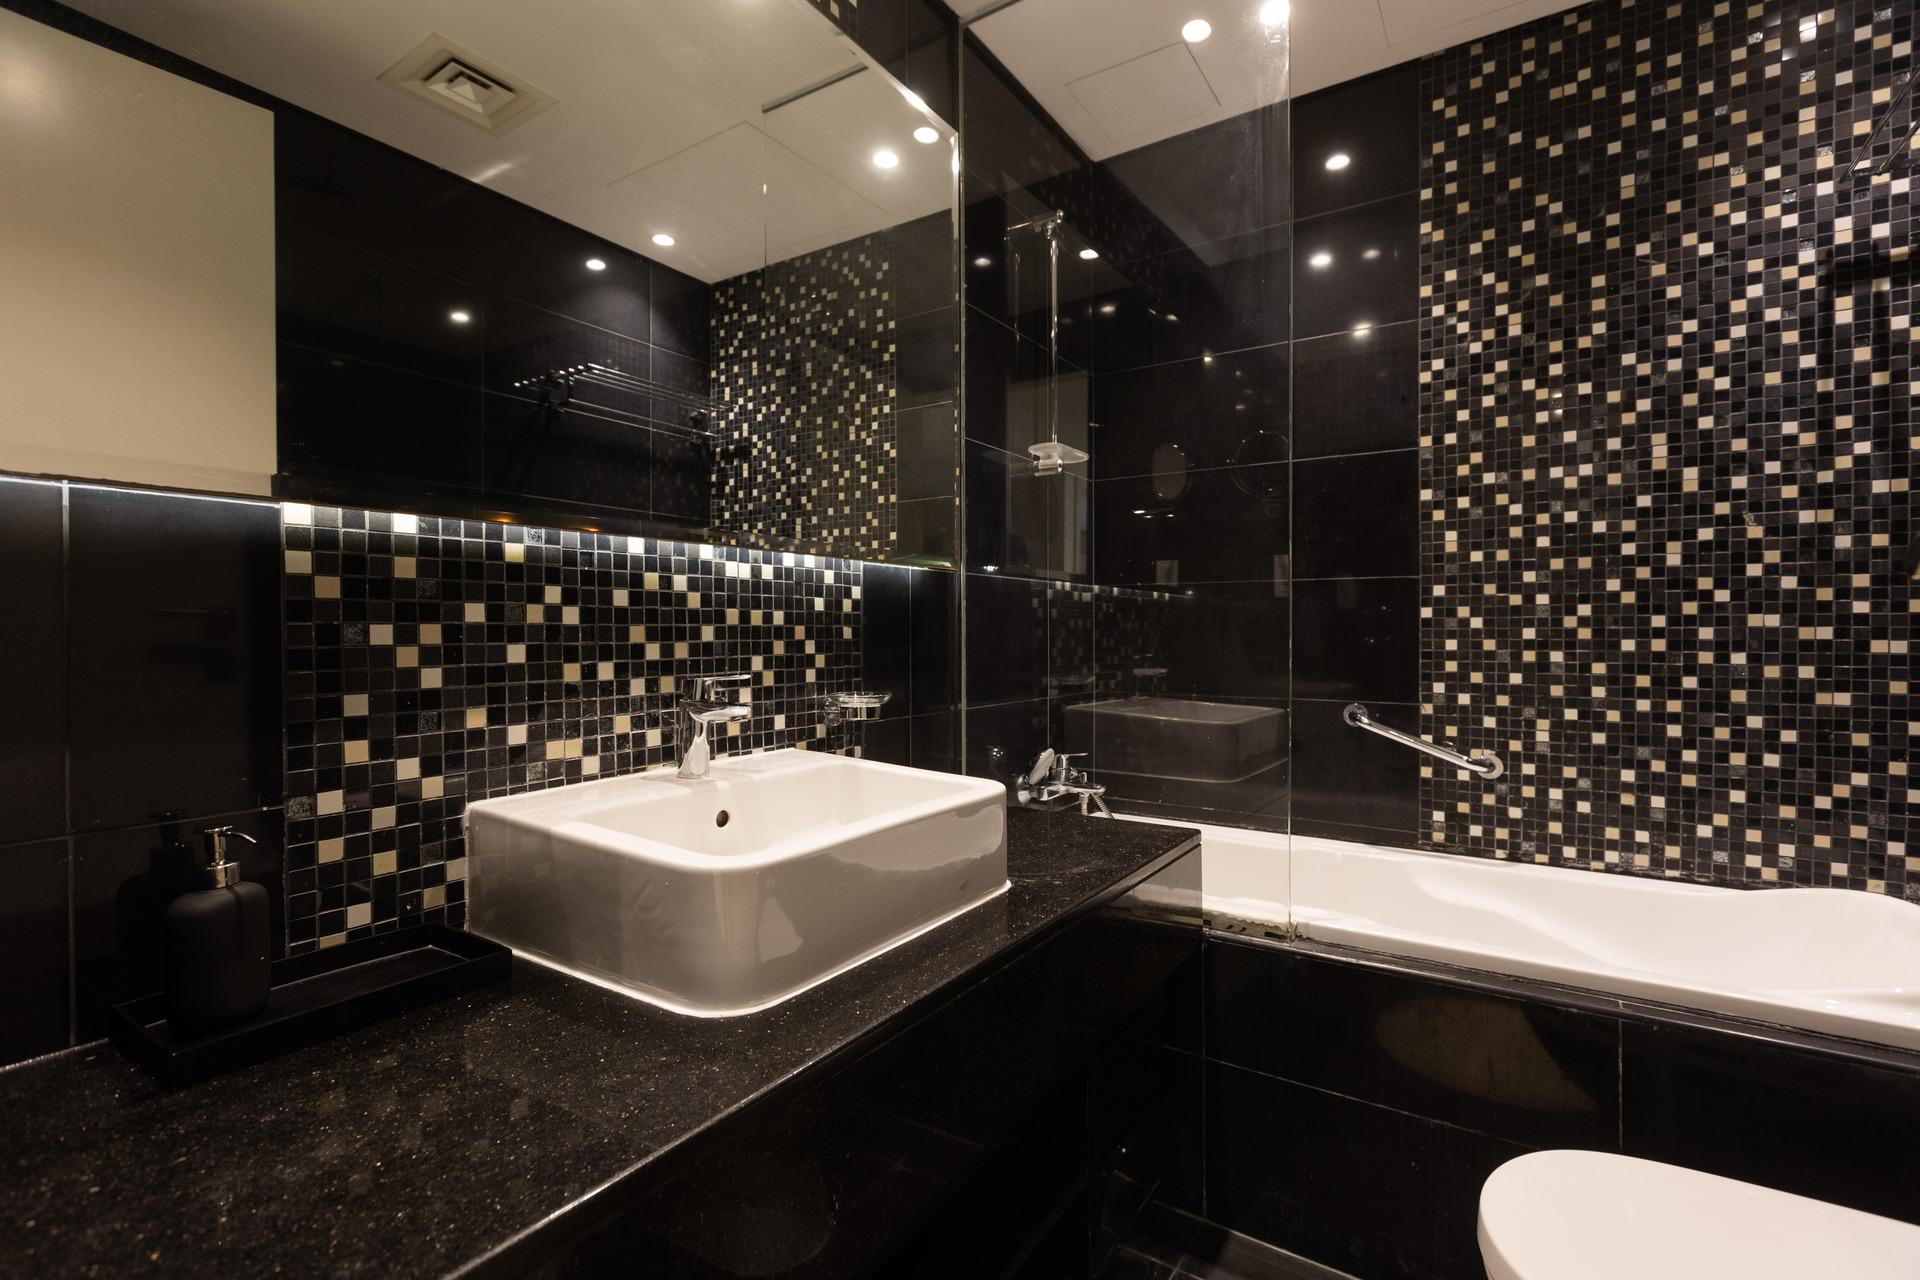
x=855, y=704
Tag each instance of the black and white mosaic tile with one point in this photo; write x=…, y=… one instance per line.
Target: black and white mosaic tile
x=1666, y=416
x=433, y=661
x=805, y=363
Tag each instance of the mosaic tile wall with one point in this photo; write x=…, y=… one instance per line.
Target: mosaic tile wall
x=804, y=368
x=433, y=661
x=1666, y=415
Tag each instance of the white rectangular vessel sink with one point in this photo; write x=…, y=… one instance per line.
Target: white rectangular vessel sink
x=727, y=894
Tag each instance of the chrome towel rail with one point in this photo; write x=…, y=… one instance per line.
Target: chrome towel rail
x=1486, y=764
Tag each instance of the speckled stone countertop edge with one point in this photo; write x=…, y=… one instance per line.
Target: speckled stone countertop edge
x=529, y=1246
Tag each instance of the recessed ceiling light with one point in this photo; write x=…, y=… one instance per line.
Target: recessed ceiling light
x=1196, y=31
x=664, y=240
x=1275, y=13
x=595, y=264
x=885, y=159
x=1338, y=161
x=1321, y=259
x=926, y=133
x=1371, y=254
x=1089, y=254
x=1106, y=309
x=1362, y=329
x=983, y=262
x=459, y=317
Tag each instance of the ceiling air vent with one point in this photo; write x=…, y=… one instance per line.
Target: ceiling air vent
x=466, y=86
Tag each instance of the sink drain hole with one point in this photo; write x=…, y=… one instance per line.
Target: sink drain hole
x=722, y=818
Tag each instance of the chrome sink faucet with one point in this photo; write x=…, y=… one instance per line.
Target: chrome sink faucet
x=1052, y=776
x=699, y=712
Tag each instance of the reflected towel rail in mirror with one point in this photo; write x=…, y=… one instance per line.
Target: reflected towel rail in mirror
x=1487, y=765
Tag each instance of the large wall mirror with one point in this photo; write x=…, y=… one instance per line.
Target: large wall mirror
x=682, y=267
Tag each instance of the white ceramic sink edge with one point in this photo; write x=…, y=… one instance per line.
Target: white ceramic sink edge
x=726, y=895
x=664, y=1001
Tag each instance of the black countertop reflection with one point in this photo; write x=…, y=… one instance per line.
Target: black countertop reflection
x=475, y=1133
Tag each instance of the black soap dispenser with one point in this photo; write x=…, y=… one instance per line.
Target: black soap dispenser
x=218, y=972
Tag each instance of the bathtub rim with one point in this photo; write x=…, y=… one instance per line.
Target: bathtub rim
x=1757, y=1013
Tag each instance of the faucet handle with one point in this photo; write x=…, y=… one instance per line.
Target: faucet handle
x=705, y=687
x=1041, y=768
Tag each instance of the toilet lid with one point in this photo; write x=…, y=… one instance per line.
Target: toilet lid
x=1587, y=1215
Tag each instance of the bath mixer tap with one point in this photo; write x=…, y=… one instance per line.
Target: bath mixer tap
x=1052, y=776
x=699, y=713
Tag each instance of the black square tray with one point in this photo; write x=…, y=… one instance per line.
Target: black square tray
x=315, y=997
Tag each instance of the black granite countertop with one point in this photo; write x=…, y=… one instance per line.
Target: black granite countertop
x=471, y=1135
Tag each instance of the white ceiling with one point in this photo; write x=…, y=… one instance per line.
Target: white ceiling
x=1117, y=75
x=656, y=122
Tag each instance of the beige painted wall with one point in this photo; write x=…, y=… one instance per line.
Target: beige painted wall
x=136, y=271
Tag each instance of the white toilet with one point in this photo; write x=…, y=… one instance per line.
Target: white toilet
x=1587, y=1215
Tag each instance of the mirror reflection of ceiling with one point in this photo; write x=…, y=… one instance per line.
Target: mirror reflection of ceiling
x=657, y=123
x=1119, y=74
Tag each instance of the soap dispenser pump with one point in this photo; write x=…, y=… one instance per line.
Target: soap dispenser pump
x=217, y=969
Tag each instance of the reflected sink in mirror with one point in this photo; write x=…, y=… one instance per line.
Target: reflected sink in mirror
x=727, y=894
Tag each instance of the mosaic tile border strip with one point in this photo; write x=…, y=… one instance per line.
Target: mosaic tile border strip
x=805, y=374
x=1666, y=408
x=433, y=661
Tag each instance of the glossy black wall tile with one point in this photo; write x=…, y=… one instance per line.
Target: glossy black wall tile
x=334, y=184
x=936, y=664
x=1375, y=123
x=679, y=313
x=1355, y=516
x=539, y=260
x=1165, y=420
x=403, y=291
x=1356, y=393
x=1350, y=784
x=176, y=701
x=1214, y=182
x=577, y=456
x=1023, y=523
x=1381, y=1093
x=342, y=421
x=1810, y=1123
x=1002, y=737
x=1007, y=628
x=927, y=454
x=145, y=686
x=339, y=298
x=923, y=265
x=1520, y=1071
x=1207, y=297
x=1304, y=1168
x=1357, y=268
x=1005, y=381
x=33, y=948
x=1228, y=524
x=1356, y=638
x=33, y=653
x=886, y=637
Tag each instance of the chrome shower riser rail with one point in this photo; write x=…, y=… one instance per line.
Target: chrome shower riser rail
x=1486, y=764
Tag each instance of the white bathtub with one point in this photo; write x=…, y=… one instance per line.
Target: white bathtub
x=1836, y=961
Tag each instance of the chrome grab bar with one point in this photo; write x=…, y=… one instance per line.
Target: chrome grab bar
x=1486, y=764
